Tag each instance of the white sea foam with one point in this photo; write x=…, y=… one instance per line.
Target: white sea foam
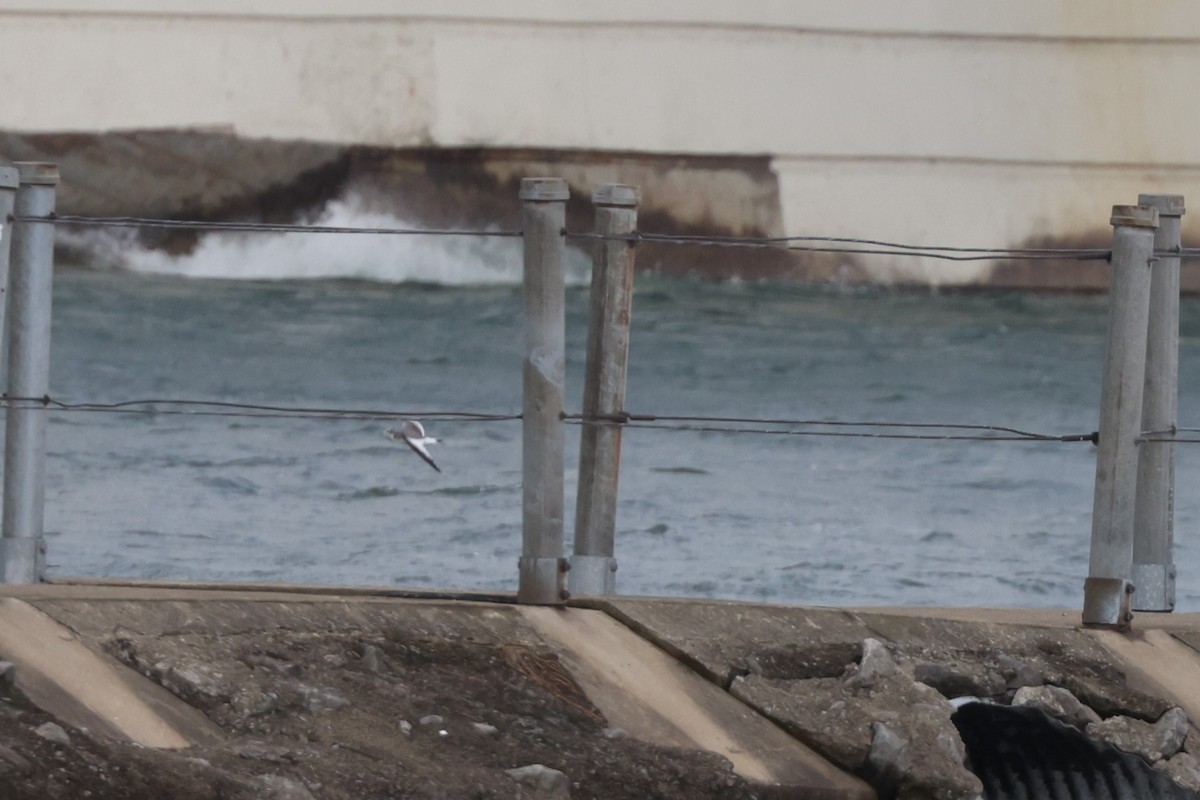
x=386, y=258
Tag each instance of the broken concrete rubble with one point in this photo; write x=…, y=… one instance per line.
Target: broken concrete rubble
x=881, y=728
x=1153, y=742
x=874, y=665
x=1184, y=769
x=1056, y=702
x=896, y=733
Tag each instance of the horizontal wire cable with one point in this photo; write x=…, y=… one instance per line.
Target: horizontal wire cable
x=629, y=417
x=997, y=256
x=1166, y=433
x=952, y=437
x=655, y=422
x=864, y=246
x=1169, y=436
x=868, y=246
x=871, y=242
x=712, y=424
x=871, y=247
x=220, y=408
x=250, y=227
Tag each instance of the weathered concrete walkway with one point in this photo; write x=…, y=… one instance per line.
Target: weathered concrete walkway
x=338, y=692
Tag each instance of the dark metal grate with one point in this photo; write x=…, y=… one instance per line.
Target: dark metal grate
x=1022, y=754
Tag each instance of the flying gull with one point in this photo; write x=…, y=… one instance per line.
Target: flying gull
x=413, y=434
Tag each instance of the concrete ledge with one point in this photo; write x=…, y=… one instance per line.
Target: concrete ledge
x=641, y=689
x=1157, y=663
x=89, y=690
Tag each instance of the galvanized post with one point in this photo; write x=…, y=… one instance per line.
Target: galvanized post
x=9, y=181
x=1153, y=573
x=1107, y=590
x=543, y=567
x=593, y=567
x=22, y=548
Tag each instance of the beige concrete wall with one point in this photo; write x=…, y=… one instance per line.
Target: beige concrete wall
x=958, y=121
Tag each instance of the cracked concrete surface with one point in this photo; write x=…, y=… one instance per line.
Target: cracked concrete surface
x=347, y=693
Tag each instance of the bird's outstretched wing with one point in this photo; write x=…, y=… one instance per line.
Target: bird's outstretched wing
x=419, y=449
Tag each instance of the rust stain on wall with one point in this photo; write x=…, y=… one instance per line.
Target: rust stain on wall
x=1065, y=274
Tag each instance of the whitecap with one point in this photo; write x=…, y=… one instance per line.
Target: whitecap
x=385, y=258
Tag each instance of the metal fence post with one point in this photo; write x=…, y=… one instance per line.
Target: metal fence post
x=1107, y=590
x=542, y=567
x=593, y=567
x=22, y=548
x=9, y=181
x=1153, y=573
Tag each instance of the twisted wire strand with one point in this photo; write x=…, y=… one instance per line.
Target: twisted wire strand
x=629, y=417
x=868, y=246
x=249, y=227
x=802, y=243
x=938, y=256
x=222, y=408
x=948, y=437
x=995, y=433
x=668, y=422
x=876, y=243
x=1169, y=436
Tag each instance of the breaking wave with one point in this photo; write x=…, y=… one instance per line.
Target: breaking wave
x=384, y=258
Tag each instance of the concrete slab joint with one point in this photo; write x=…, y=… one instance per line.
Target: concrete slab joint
x=66, y=677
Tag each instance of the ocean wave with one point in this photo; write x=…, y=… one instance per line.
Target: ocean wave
x=370, y=494
x=384, y=258
x=232, y=485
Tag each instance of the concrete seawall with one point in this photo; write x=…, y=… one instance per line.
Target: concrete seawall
x=931, y=124
x=192, y=691
x=216, y=175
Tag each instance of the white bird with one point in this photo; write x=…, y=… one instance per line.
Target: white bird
x=413, y=435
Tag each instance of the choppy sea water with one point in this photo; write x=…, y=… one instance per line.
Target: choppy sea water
x=400, y=325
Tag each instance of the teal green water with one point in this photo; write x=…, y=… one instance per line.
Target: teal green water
x=777, y=518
